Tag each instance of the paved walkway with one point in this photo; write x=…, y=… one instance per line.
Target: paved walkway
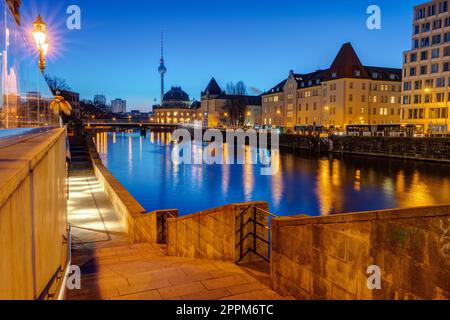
x=114, y=269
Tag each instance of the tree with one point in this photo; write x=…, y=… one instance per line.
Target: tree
x=56, y=84
x=236, y=102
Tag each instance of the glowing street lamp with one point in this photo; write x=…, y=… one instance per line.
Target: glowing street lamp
x=40, y=39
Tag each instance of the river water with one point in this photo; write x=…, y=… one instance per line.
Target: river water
x=305, y=184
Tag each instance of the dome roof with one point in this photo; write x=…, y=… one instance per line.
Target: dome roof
x=176, y=94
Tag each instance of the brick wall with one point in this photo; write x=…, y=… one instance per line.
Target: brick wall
x=327, y=257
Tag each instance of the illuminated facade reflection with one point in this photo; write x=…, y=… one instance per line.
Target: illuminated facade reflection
x=25, y=96
x=305, y=184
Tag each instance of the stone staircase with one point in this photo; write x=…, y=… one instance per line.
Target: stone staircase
x=80, y=156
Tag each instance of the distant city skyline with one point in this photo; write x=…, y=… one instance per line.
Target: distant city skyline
x=252, y=41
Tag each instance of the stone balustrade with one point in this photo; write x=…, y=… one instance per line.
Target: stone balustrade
x=225, y=233
x=328, y=257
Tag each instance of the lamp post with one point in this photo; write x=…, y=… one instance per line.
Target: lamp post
x=40, y=39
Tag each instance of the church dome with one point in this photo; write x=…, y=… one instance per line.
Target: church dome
x=176, y=97
x=176, y=94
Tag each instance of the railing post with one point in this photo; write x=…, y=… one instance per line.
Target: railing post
x=254, y=231
x=241, y=241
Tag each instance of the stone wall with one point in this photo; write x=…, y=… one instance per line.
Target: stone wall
x=140, y=225
x=33, y=215
x=437, y=149
x=328, y=257
x=215, y=234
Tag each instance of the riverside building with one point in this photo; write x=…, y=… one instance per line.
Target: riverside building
x=426, y=70
x=348, y=93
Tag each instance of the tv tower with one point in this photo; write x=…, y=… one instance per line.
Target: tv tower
x=162, y=68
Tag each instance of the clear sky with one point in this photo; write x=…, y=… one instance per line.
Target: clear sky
x=117, y=50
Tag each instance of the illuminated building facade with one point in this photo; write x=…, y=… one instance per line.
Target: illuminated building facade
x=348, y=93
x=426, y=70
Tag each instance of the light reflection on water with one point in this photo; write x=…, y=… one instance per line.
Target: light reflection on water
x=305, y=184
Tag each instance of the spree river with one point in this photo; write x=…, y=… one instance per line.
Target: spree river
x=305, y=184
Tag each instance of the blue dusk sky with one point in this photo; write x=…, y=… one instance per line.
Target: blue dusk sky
x=117, y=50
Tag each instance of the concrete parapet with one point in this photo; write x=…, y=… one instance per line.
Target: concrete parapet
x=33, y=216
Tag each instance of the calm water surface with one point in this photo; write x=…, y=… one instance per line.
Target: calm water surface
x=305, y=184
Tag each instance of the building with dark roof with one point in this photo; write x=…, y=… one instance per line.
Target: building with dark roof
x=345, y=94
x=216, y=105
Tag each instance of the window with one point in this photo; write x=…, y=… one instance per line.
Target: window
x=424, y=55
x=406, y=99
x=407, y=86
x=420, y=14
x=437, y=24
x=423, y=70
x=392, y=100
x=435, y=68
x=446, y=67
x=443, y=6
x=446, y=51
x=425, y=42
x=350, y=98
x=435, y=53
x=275, y=99
x=431, y=10
x=440, y=97
x=417, y=98
x=412, y=72
x=440, y=82
x=436, y=39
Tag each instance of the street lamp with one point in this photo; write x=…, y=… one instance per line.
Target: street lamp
x=40, y=39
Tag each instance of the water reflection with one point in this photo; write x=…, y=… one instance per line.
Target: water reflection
x=305, y=184
x=24, y=95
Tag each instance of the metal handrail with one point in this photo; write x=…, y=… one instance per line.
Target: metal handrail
x=270, y=214
x=253, y=233
x=163, y=216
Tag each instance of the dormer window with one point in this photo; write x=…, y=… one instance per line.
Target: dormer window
x=376, y=75
x=334, y=75
x=309, y=83
x=393, y=76
x=357, y=73
x=302, y=84
x=317, y=81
